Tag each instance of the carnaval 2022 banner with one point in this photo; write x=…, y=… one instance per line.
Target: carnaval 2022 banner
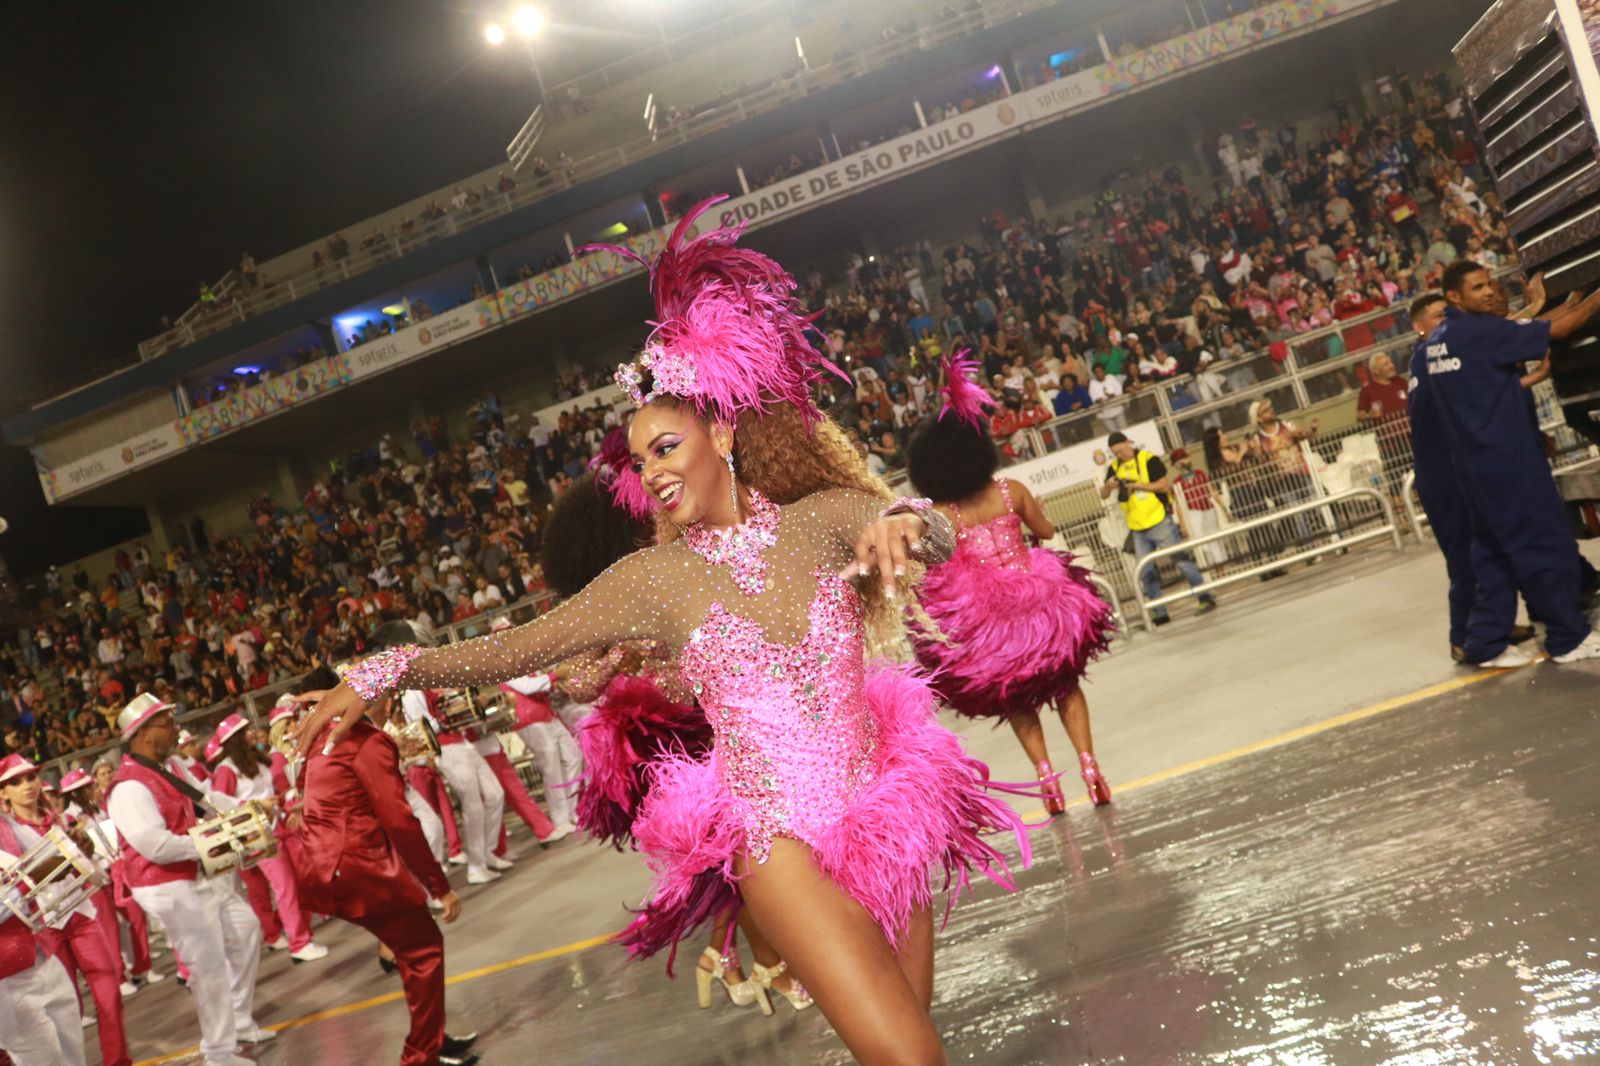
x=110, y=462
x=586, y=272
x=1211, y=42
x=440, y=331
x=260, y=401
x=1077, y=463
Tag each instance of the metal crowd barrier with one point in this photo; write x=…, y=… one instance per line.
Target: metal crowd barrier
x=1336, y=541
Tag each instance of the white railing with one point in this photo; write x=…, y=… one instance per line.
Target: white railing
x=1336, y=539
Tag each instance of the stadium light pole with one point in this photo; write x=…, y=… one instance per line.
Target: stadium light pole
x=528, y=23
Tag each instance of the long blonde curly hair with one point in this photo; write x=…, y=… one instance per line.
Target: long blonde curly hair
x=775, y=454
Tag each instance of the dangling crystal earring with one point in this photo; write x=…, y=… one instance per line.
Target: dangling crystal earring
x=733, y=486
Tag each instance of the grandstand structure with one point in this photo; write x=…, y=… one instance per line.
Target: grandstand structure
x=334, y=342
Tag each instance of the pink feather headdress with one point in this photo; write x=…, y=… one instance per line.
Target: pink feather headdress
x=963, y=396
x=614, y=474
x=729, y=333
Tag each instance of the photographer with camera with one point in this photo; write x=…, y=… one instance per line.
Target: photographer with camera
x=1142, y=485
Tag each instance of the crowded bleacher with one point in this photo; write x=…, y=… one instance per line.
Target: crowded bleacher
x=1165, y=282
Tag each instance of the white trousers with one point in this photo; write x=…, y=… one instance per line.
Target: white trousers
x=432, y=824
x=39, y=1020
x=560, y=763
x=483, y=801
x=217, y=935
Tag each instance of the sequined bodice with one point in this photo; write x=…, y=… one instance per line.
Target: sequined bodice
x=794, y=739
x=998, y=542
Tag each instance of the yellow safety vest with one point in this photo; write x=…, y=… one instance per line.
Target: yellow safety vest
x=1143, y=509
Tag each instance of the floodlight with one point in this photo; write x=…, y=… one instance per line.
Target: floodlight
x=527, y=21
x=495, y=34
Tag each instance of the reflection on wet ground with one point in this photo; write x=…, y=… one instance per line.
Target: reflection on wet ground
x=1416, y=888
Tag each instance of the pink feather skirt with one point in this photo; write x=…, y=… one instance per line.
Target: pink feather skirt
x=633, y=725
x=924, y=813
x=1018, y=638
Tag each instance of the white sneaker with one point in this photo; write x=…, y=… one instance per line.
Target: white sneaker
x=280, y=944
x=1589, y=649
x=151, y=977
x=255, y=1035
x=310, y=953
x=128, y=988
x=560, y=832
x=481, y=876
x=458, y=859
x=498, y=863
x=1509, y=659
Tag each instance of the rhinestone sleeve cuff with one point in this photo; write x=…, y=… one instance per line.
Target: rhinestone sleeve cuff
x=379, y=674
x=938, y=541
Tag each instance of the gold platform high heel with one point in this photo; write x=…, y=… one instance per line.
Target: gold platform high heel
x=796, y=994
x=741, y=993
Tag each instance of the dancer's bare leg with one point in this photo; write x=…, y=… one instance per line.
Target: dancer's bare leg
x=842, y=958
x=1075, y=717
x=763, y=951
x=1031, y=734
x=916, y=956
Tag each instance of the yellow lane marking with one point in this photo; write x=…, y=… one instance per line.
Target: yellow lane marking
x=1453, y=685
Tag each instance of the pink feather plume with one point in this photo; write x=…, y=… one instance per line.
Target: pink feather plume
x=613, y=471
x=730, y=334
x=963, y=396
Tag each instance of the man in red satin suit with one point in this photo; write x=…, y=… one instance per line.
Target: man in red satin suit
x=367, y=861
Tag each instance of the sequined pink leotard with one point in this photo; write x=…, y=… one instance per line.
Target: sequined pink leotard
x=1020, y=624
x=810, y=741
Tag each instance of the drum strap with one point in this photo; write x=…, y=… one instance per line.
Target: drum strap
x=186, y=790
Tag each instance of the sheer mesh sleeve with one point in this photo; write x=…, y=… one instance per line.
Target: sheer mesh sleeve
x=848, y=511
x=586, y=676
x=624, y=603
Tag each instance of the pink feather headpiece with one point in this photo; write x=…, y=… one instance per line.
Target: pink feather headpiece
x=614, y=474
x=963, y=396
x=729, y=333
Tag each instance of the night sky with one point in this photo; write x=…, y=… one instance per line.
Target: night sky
x=144, y=148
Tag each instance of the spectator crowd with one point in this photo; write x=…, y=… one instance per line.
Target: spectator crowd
x=1160, y=283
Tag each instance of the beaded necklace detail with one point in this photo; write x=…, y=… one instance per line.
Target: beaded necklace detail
x=739, y=547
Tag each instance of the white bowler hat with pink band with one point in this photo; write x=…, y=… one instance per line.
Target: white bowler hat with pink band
x=140, y=710
x=228, y=727
x=73, y=780
x=13, y=766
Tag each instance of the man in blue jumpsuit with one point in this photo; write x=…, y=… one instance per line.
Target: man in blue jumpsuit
x=1472, y=374
x=1436, y=483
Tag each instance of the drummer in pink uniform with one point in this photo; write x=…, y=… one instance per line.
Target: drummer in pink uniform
x=80, y=941
x=39, y=1013
x=554, y=749
x=1021, y=625
x=245, y=775
x=77, y=792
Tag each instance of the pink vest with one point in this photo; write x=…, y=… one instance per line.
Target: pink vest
x=176, y=811
x=530, y=709
x=18, y=948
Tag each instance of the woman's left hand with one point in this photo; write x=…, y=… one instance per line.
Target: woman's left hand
x=885, y=545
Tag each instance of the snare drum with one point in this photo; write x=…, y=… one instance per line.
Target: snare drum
x=49, y=881
x=235, y=840
x=416, y=741
x=461, y=713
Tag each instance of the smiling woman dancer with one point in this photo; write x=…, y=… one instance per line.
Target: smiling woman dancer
x=831, y=792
